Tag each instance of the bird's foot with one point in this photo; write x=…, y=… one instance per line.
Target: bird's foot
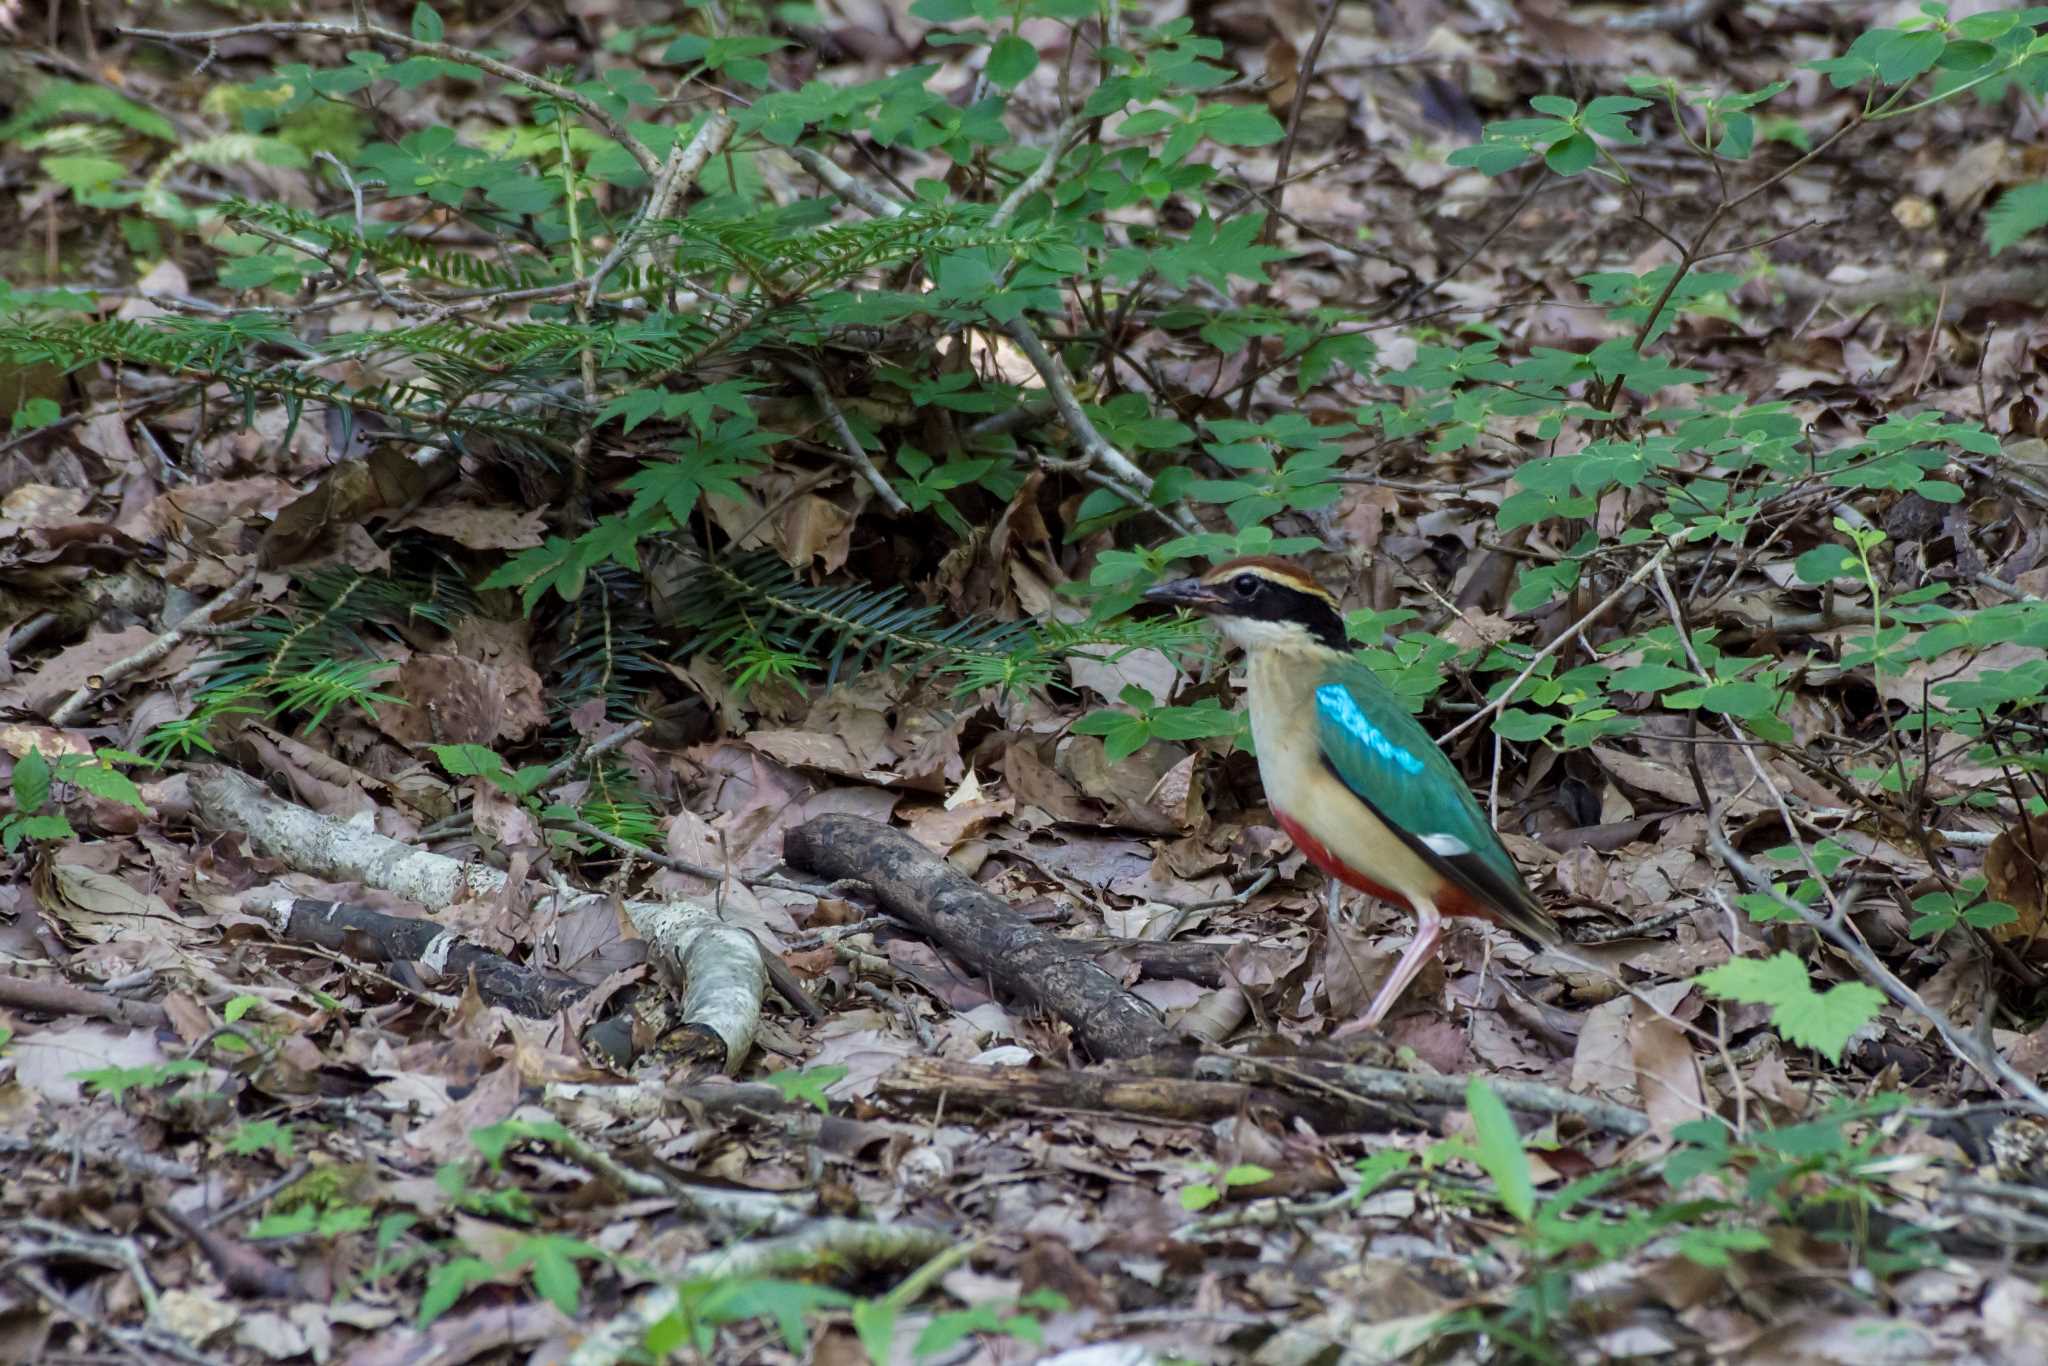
x=1361, y=1025
x=1359, y=1042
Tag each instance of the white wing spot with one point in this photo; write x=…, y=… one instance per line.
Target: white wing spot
x=1446, y=846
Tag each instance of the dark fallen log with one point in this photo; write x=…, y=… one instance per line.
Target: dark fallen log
x=1183, y=961
x=943, y=904
x=927, y=1083
x=429, y=949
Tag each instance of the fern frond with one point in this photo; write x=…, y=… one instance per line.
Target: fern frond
x=216, y=349
x=609, y=645
x=755, y=602
x=392, y=251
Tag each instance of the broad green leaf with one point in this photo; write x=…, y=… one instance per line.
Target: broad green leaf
x=1011, y=61
x=1573, y=155
x=1500, y=1150
x=1824, y=1021
x=1826, y=562
x=31, y=782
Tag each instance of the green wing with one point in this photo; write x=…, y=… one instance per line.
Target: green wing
x=1387, y=760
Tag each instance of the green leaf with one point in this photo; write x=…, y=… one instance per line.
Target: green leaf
x=31, y=782
x=449, y=1282
x=1011, y=61
x=1242, y=125
x=1989, y=915
x=1738, y=699
x=874, y=1323
x=555, y=1276
x=1573, y=155
x=808, y=1085
x=105, y=782
x=1902, y=56
x=2020, y=211
x=426, y=25
x=1757, y=981
x=469, y=761
x=81, y=174
x=1826, y=562
x=1823, y=1021
x=1522, y=726
x=36, y=413
x=1500, y=1150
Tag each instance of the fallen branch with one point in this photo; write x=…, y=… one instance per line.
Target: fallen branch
x=375, y=937
x=946, y=906
x=1834, y=927
x=195, y=620
x=127, y=1158
x=736, y=1211
x=932, y=1083
x=718, y=968
x=1182, y=961
x=61, y=998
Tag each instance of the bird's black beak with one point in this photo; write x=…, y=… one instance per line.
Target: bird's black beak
x=1192, y=594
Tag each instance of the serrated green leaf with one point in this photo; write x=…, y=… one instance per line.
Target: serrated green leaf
x=1824, y=1021
x=1758, y=981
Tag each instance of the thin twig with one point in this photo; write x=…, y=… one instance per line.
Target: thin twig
x=685, y=163
x=152, y=652
x=1835, y=927
x=1107, y=459
x=1041, y=174
x=854, y=455
x=1303, y=74
x=1982, y=1060
x=1570, y=633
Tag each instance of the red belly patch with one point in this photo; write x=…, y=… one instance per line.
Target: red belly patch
x=1451, y=899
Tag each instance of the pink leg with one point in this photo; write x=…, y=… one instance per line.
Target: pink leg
x=1429, y=930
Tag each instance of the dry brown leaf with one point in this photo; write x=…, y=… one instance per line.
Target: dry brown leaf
x=98, y=908
x=477, y=527
x=2013, y=874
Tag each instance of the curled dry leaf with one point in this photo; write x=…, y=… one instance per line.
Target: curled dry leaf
x=2013, y=874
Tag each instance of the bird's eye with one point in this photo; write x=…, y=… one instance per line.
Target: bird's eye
x=1244, y=585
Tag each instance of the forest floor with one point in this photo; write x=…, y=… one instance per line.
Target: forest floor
x=235, y=1132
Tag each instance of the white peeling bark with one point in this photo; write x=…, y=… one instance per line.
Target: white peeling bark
x=716, y=967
